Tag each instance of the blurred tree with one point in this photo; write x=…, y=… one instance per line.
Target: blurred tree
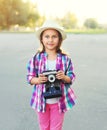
x=33, y=15
x=11, y=12
x=17, y=12
x=68, y=21
x=91, y=23
x=40, y=21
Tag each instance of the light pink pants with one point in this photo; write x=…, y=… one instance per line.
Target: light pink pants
x=51, y=119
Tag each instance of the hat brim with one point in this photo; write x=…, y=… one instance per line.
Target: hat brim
x=40, y=30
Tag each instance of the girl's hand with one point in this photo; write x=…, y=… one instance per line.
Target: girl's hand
x=60, y=75
x=42, y=79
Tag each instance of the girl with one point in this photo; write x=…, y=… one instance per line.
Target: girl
x=51, y=111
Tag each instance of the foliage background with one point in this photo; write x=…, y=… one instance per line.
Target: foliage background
x=18, y=13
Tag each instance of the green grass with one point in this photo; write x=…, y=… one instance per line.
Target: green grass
x=87, y=31
x=72, y=31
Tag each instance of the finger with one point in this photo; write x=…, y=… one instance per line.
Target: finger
x=59, y=74
x=58, y=77
x=40, y=75
x=43, y=79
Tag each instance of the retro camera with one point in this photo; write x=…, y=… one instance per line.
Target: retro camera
x=52, y=86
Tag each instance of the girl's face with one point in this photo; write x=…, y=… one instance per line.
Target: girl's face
x=50, y=39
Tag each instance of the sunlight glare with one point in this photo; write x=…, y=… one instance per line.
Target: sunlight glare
x=33, y=1
x=83, y=9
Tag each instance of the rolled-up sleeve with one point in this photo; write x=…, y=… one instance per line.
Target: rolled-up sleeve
x=30, y=70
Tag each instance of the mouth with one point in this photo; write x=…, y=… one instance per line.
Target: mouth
x=50, y=44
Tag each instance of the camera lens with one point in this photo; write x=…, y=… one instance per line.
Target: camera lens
x=51, y=78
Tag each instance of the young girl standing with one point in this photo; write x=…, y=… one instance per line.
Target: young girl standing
x=51, y=111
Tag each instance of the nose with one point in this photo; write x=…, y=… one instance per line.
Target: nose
x=50, y=38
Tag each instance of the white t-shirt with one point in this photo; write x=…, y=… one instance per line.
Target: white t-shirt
x=52, y=66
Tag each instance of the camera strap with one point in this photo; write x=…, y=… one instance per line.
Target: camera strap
x=35, y=67
x=67, y=68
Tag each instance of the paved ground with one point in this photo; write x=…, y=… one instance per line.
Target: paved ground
x=89, y=55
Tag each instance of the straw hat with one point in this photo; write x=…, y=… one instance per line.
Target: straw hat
x=49, y=24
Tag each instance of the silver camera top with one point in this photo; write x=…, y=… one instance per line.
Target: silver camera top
x=51, y=74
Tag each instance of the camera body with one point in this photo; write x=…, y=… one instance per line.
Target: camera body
x=52, y=86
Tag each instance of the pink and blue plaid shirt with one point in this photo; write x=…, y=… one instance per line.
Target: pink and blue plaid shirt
x=37, y=65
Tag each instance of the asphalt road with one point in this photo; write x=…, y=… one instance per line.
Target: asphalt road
x=89, y=56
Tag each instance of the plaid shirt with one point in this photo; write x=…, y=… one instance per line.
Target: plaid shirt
x=37, y=65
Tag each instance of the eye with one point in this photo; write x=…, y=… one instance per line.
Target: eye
x=46, y=36
x=55, y=36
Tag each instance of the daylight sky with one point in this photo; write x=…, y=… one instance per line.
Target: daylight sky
x=81, y=8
